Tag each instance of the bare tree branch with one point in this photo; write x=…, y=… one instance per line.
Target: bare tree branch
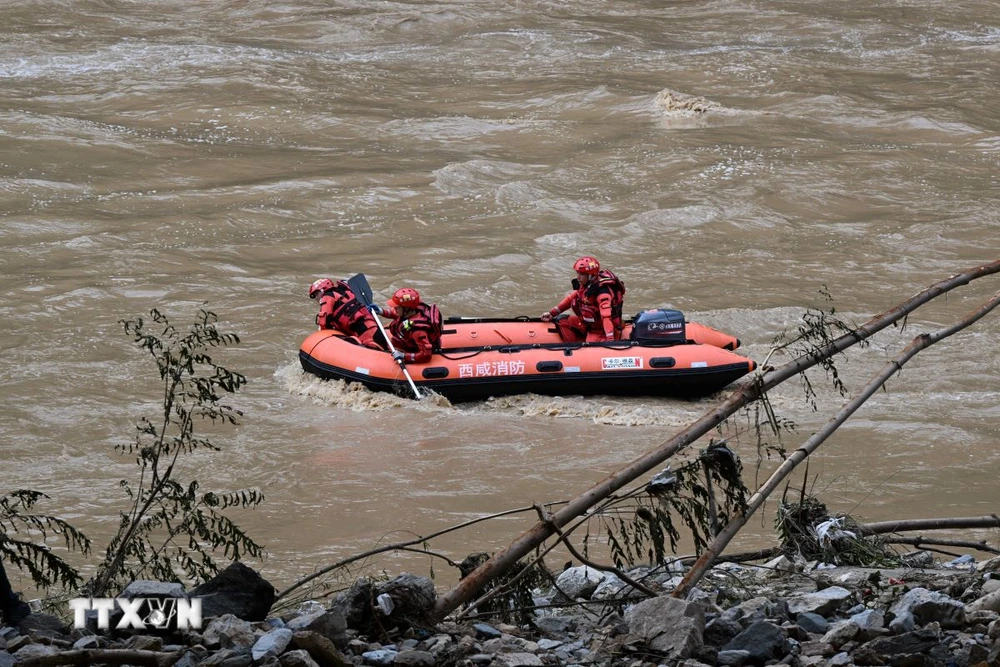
x=467, y=588
x=907, y=525
x=895, y=365
x=964, y=544
x=400, y=546
x=547, y=517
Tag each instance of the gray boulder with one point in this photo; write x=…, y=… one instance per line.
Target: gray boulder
x=237, y=590
x=319, y=649
x=762, y=641
x=144, y=588
x=813, y=623
x=721, y=630
x=911, y=644
x=579, y=582
x=871, y=624
x=227, y=632
x=988, y=602
x=821, y=602
x=271, y=644
x=928, y=606
x=668, y=625
x=297, y=658
x=328, y=622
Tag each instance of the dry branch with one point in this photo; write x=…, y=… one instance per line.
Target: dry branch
x=467, y=588
x=908, y=525
x=895, y=365
x=105, y=656
x=926, y=541
x=400, y=546
x=544, y=515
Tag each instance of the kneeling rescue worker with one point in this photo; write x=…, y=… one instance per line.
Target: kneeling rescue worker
x=416, y=326
x=596, y=301
x=340, y=309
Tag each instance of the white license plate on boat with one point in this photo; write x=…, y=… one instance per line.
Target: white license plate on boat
x=618, y=363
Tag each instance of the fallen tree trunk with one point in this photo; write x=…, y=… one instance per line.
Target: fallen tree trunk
x=921, y=342
x=467, y=588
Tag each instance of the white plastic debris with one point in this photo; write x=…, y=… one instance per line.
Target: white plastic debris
x=832, y=530
x=385, y=604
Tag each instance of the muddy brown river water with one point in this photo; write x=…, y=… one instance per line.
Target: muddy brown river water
x=729, y=159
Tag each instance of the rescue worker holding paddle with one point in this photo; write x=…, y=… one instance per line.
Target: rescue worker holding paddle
x=415, y=328
x=340, y=309
x=596, y=302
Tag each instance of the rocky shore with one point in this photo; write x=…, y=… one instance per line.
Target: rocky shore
x=928, y=614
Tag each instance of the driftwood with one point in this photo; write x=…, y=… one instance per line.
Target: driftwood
x=920, y=542
x=906, y=525
x=107, y=656
x=921, y=342
x=467, y=588
x=886, y=527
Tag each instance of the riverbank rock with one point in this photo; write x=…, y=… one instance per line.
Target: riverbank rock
x=672, y=627
x=740, y=616
x=238, y=590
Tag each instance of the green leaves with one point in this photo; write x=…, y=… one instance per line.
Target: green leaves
x=819, y=328
x=172, y=528
x=45, y=567
x=647, y=529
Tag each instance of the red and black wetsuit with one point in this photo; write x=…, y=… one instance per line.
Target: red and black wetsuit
x=416, y=335
x=597, y=308
x=339, y=309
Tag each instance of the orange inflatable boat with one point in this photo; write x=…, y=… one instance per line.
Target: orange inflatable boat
x=659, y=355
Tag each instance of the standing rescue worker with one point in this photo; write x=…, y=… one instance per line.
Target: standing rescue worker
x=416, y=326
x=340, y=309
x=596, y=302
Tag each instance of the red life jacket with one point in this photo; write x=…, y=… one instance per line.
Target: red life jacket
x=340, y=309
x=427, y=319
x=585, y=304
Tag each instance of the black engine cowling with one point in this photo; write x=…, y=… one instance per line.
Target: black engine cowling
x=659, y=326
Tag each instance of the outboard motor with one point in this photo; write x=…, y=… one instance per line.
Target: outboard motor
x=659, y=326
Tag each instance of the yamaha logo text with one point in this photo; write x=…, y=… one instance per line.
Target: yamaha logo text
x=139, y=613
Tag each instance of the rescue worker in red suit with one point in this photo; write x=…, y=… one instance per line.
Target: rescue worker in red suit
x=339, y=309
x=596, y=302
x=415, y=328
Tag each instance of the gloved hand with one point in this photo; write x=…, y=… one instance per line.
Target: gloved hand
x=398, y=356
x=546, y=316
x=375, y=309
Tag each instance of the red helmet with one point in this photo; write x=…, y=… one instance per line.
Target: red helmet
x=588, y=265
x=405, y=297
x=320, y=286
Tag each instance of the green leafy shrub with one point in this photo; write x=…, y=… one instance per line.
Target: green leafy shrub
x=172, y=528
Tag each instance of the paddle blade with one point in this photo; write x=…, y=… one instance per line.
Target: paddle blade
x=359, y=285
